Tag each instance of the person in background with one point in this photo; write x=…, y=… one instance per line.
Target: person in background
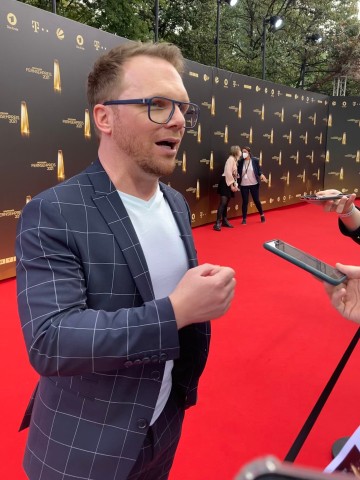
x=250, y=176
x=114, y=307
x=227, y=187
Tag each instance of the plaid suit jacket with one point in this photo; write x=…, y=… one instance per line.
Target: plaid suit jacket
x=94, y=331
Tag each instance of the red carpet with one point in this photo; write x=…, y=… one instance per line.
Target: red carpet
x=271, y=355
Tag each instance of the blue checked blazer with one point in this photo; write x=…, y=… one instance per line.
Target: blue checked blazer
x=94, y=331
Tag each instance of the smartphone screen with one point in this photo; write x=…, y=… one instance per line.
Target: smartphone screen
x=303, y=260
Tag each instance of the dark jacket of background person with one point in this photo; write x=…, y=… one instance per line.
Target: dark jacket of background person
x=256, y=167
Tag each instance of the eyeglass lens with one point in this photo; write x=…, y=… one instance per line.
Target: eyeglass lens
x=161, y=110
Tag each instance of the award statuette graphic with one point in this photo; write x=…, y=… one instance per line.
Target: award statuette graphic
x=183, y=166
x=87, y=127
x=24, y=121
x=60, y=167
x=57, y=77
x=197, y=190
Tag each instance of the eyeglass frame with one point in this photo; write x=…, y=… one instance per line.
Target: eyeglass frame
x=147, y=101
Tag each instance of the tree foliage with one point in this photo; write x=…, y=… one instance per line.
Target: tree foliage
x=292, y=57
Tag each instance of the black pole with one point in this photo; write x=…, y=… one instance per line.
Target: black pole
x=217, y=33
x=264, y=49
x=54, y=6
x=156, y=30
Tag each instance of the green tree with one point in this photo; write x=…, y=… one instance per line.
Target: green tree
x=292, y=56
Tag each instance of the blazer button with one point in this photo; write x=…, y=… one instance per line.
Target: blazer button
x=142, y=423
x=155, y=375
x=163, y=357
x=128, y=364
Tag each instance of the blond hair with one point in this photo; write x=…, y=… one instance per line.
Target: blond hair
x=107, y=72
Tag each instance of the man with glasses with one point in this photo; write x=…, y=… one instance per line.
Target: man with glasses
x=114, y=307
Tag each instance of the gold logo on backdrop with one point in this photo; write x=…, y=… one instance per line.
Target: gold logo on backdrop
x=327, y=156
x=302, y=176
x=197, y=190
x=304, y=137
x=357, y=158
x=60, y=33
x=199, y=133
x=11, y=18
x=60, y=166
x=311, y=157
x=28, y=198
x=278, y=158
x=87, y=127
x=57, y=78
x=319, y=138
x=212, y=160
x=329, y=120
x=261, y=112
x=248, y=87
x=260, y=158
x=269, y=180
x=194, y=74
x=318, y=174
x=226, y=134
x=183, y=167
x=286, y=178
x=257, y=88
x=313, y=118
x=80, y=40
x=339, y=174
x=296, y=157
x=288, y=137
x=280, y=115
x=247, y=135
x=251, y=136
x=35, y=26
x=212, y=109
x=226, y=82
x=270, y=135
x=24, y=120
x=98, y=46
x=343, y=139
x=240, y=109
x=206, y=77
x=217, y=79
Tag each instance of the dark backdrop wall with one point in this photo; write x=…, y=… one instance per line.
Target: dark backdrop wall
x=47, y=136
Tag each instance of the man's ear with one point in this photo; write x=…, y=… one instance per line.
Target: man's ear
x=103, y=118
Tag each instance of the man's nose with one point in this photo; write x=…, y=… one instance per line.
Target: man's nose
x=177, y=119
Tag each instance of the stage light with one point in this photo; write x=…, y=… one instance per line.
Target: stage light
x=315, y=39
x=275, y=23
x=232, y=3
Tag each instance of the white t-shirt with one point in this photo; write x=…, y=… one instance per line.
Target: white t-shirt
x=165, y=255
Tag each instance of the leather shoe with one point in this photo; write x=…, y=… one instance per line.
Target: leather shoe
x=225, y=223
x=262, y=217
x=243, y=222
x=217, y=227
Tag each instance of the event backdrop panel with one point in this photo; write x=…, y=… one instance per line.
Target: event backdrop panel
x=342, y=165
x=47, y=135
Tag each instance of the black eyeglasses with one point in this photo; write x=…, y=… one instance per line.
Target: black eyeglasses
x=161, y=109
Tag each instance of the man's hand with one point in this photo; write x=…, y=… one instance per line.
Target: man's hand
x=346, y=297
x=204, y=293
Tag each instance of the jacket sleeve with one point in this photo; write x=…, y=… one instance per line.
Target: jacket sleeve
x=63, y=335
x=354, y=235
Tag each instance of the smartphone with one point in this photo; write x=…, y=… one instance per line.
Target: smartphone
x=303, y=260
x=321, y=198
x=270, y=468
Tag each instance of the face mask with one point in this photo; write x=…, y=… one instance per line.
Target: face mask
x=245, y=155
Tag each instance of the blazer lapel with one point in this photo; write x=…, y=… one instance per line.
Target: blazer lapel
x=181, y=215
x=112, y=209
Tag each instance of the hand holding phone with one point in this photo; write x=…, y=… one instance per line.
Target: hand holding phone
x=311, y=264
